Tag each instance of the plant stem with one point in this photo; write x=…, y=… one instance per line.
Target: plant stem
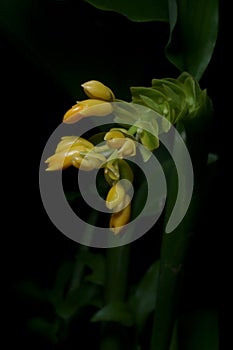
x=175, y=245
x=117, y=273
x=114, y=335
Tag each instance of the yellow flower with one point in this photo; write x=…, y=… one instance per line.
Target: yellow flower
x=72, y=141
x=111, y=172
x=128, y=148
x=115, y=197
x=125, y=145
x=67, y=149
x=87, y=108
x=88, y=161
x=115, y=139
x=95, y=89
x=63, y=159
x=120, y=219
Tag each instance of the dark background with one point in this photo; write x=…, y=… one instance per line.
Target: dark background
x=48, y=49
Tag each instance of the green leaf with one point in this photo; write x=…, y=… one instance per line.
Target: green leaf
x=96, y=262
x=86, y=295
x=81, y=292
x=115, y=312
x=62, y=278
x=143, y=299
x=136, y=10
x=174, y=341
x=30, y=290
x=44, y=328
x=212, y=158
x=193, y=34
x=139, y=92
x=198, y=330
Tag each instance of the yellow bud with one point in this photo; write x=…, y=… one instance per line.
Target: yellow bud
x=87, y=108
x=67, y=148
x=122, y=130
x=115, y=196
x=115, y=139
x=128, y=148
x=111, y=172
x=95, y=89
x=68, y=142
x=61, y=160
x=88, y=161
x=120, y=219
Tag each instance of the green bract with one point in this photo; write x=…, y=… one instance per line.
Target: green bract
x=175, y=99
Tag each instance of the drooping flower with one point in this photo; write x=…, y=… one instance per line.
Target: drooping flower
x=76, y=151
x=119, y=219
x=87, y=108
x=115, y=197
x=114, y=139
x=89, y=161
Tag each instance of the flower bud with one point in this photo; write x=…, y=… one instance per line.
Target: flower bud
x=72, y=141
x=121, y=218
x=95, y=89
x=88, y=161
x=115, y=196
x=111, y=172
x=87, y=108
x=62, y=160
x=67, y=149
x=115, y=139
x=128, y=148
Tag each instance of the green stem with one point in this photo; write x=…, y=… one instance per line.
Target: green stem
x=114, y=335
x=173, y=253
x=175, y=245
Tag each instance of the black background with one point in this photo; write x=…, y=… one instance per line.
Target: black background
x=47, y=52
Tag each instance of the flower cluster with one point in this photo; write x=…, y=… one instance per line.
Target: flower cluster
x=83, y=154
x=172, y=99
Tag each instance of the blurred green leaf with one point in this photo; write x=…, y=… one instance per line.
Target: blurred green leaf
x=30, y=290
x=212, y=158
x=174, y=341
x=197, y=330
x=142, y=300
x=137, y=10
x=193, y=34
x=86, y=295
x=116, y=312
x=63, y=276
x=44, y=328
x=96, y=262
x=79, y=292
